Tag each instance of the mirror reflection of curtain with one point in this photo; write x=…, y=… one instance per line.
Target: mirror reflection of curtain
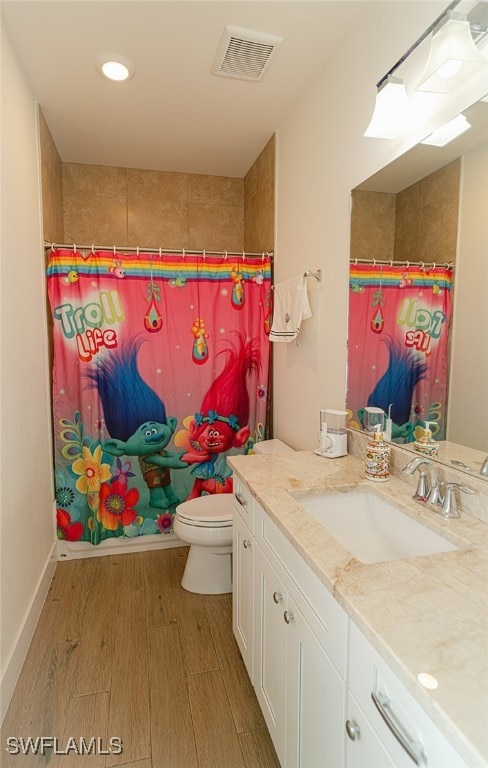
x=397, y=345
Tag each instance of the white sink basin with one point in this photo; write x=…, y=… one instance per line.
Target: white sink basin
x=372, y=529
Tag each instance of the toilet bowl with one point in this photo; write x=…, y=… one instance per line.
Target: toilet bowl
x=206, y=524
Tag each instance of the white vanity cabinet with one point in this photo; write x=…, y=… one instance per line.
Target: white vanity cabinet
x=243, y=573
x=299, y=653
x=385, y=725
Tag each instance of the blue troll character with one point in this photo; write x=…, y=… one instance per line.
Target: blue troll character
x=137, y=423
x=396, y=386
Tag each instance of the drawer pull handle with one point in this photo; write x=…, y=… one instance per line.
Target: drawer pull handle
x=277, y=597
x=353, y=730
x=288, y=617
x=411, y=747
x=246, y=544
x=242, y=501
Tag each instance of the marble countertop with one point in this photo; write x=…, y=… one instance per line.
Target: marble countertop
x=422, y=614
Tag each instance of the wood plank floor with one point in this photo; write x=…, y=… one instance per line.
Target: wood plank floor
x=122, y=650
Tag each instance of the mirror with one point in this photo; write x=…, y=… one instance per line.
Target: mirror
x=466, y=444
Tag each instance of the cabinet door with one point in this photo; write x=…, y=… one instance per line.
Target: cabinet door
x=243, y=589
x=363, y=747
x=270, y=649
x=315, y=700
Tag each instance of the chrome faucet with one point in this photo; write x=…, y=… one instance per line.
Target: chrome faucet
x=484, y=468
x=449, y=504
x=428, y=492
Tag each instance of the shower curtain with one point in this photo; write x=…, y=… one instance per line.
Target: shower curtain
x=160, y=371
x=397, y=345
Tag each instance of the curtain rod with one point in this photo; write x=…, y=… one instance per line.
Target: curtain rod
x=136, y=249
x=406, y=264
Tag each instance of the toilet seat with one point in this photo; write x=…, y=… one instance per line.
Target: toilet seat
x=212, y=511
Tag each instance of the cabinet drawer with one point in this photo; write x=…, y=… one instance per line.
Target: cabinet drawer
x=325, y=616
x=244, y=502
x=395, y=708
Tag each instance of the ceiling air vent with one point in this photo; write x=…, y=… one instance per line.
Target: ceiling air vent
x=244, y=54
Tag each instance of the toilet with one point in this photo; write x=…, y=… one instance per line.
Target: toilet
x=205, y=523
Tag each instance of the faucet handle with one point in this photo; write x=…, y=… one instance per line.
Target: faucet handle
x=449, y=507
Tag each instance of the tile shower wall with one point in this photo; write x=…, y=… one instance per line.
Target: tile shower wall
x=427, y=217
x=149, y=208
x=259, y=201
x=52, y=188
x=418, y=224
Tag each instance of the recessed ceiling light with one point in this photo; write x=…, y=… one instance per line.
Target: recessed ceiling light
x=115, y=67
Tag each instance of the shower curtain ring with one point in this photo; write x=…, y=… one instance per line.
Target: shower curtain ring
x=407, y=264
x=160, y=252
x=391, y=263
x=182, y=253
x=74, y=247
x=115, y=251
x=374, y=262
x=243, y=255
x=422, y=266
x=137, y=251
x=225, y=255
x=433, y=265
x=53, y=247
x=93, y=249
x=203, y=254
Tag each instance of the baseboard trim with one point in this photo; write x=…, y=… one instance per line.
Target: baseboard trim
x=13, y=667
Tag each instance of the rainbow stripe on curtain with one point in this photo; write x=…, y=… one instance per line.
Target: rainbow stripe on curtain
x=160, y=371
x=397, y=346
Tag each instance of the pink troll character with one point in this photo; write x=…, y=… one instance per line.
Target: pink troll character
x=222, y=422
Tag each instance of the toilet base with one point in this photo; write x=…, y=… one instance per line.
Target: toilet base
x=208, y=570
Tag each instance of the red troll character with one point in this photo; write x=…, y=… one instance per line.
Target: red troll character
x=222, y=422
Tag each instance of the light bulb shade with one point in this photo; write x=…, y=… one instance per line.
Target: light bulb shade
x=391, y=110
x=448, y=131
x=453, y=56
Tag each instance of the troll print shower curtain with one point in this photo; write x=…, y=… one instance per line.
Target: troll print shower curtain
x=397, y=347
x=160, y=370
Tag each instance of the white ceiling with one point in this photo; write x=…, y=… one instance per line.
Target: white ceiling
x=173, y=115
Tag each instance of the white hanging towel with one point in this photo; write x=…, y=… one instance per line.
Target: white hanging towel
x=290, y=307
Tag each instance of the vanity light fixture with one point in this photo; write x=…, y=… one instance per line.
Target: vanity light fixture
x=453, y=55
x=116, y=67
x=391, y=109
x=447, y=132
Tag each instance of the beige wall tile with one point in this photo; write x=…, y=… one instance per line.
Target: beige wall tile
x=216, y=190
x=216, y=227
x=259, y=202
x=165, y=186
x=52, y=188
x=94, y=181
x=153, y=223
x=100, y=220
x=372, y=225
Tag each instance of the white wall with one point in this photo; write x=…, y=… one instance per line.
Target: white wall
x=321, y=156
x=467, y=414
x=26, y=510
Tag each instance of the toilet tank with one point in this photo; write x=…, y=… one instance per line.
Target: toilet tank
x=272, y=446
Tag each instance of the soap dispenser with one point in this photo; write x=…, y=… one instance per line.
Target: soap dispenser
x=426, y=444
x=377, y=461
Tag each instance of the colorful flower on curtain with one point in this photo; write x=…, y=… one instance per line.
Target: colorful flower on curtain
x=66, y=529
x=117, y=505
x=92, y=472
